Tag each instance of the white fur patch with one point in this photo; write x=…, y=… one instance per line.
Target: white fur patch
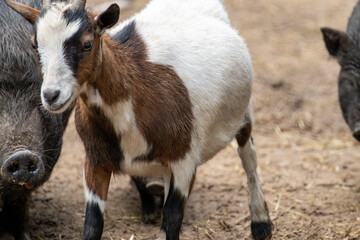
x=94, y=97
x=93, y=198
x=256, y=200
x=167, y=181
x=183, y=172
x=121, y=115
x=132, y=143
x=52, y=31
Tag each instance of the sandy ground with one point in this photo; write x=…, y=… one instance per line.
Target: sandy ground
x=309, y=164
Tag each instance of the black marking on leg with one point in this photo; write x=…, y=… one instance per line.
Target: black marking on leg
x=94, y=222
x=173, y=213
x=244, y=133
x=261, y=230
x=150, y=210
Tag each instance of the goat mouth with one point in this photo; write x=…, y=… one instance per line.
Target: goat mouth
x=62, y=107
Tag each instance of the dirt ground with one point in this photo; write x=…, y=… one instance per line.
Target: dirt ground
x=309, y=165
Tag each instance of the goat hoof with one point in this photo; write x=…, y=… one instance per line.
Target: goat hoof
x=151, y=218
x=261, y=230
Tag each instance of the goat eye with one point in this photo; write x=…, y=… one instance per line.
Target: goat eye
x=87, y=46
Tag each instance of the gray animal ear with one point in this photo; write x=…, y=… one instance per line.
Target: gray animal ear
x=336, y=42
x=108, y=18
x=27, y=12
x=354, y=21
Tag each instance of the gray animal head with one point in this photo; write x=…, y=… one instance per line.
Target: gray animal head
x=30, y=137
x=345, y=47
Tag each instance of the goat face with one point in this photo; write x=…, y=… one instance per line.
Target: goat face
x=61, y=41
x=67, y=39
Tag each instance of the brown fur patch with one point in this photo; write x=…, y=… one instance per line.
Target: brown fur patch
x=98, y=135
x=244, y=133
x=161, y=101
x=163, y=113
x=97, y=179
x=108, y=78
x=161, y=104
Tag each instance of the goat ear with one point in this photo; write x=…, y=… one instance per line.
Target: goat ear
x=108, y=18
x=27, y=12
x=336, y=42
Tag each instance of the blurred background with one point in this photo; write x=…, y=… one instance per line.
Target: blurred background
x=309, y=164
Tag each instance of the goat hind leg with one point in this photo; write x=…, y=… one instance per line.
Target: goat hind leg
x=150, y=208
x=261, y=225
x=180, y=185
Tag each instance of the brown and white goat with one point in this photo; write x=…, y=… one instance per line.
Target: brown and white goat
x=159, y=94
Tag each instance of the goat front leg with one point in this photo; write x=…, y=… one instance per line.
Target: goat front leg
x=180, y=185
x=96, y=185
x=261, y=225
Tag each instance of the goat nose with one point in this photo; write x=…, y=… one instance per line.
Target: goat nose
x=22, y=167
x=51, y=95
